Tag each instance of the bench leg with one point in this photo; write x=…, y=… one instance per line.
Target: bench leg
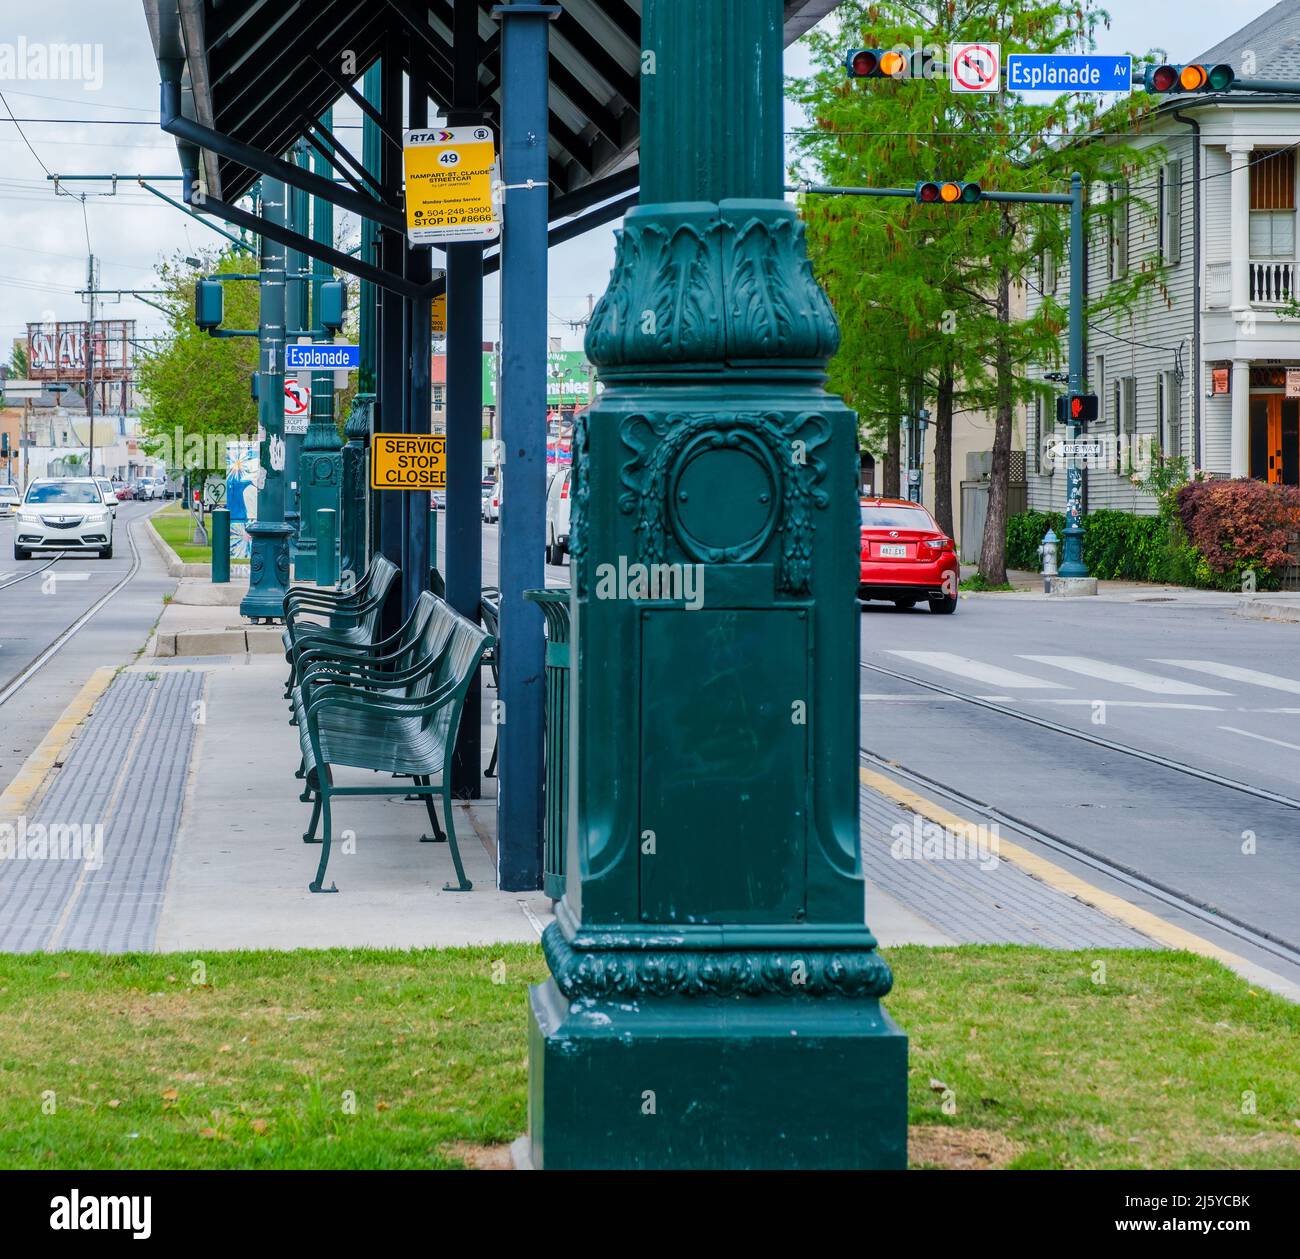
x=301, y=771
x=437, y=837
x=491, y=771
x=464, y=885
x=323, y=800
x=309, y=835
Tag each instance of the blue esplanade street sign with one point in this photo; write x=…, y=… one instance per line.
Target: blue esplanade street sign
x=324, y=357
x=1029, y=72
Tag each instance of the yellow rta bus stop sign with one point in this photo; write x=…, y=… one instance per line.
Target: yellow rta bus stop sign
x=449, y=176
x=439, y=315
x=408, y=461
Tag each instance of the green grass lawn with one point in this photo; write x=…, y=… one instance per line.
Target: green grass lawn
x=177, y=528
x=369, y=1059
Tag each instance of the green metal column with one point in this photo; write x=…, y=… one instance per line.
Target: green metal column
x=714, y=998
x=269, y=562
x=320, y=467
x=353, y=461
x=298, y=315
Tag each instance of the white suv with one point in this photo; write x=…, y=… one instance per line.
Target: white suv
x=63, y=514
x=9, y=499
x=558, y=504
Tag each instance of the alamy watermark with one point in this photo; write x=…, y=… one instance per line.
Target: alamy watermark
x=59, y=841
x=23, y=61
x=923, y=840
x=676, y=583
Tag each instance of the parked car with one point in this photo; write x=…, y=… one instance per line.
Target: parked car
x=905, y=557
x=558, y=504
x=63, y=514
x=108, y=493
x=9, y=499
x=124, y=492
x=438, y=500
x=492, y=503
x=151, y=487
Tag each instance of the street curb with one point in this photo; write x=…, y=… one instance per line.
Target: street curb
x=17, y=797
x=177, y=567
x=1063, y=881
x=1261, y=610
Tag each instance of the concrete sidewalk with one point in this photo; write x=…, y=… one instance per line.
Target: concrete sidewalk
x=188, y=762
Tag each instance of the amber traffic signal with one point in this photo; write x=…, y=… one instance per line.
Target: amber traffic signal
x=947, y=192
x=1169, y=79
x=888, y=63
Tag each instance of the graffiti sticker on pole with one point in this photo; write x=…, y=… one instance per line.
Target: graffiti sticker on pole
x=974, y=67
x=451, y=185
x=408, y=461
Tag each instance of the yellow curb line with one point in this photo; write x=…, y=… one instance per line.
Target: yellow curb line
x=1063, y=881
x=17, y=797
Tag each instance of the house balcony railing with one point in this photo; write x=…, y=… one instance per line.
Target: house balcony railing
x=1272, y=282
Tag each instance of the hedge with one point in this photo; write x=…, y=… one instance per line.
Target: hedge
x=1209, y=535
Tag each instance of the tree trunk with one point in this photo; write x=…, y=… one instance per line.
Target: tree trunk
x=993, y=553
x=943, y=451
x=893, y=460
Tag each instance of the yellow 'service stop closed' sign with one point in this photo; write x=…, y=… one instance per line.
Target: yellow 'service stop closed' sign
x=450, y=173
x=408, y=461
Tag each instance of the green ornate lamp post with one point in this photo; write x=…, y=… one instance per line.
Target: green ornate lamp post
x=714, y=998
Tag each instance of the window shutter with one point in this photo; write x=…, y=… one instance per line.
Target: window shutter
x=1174, y=210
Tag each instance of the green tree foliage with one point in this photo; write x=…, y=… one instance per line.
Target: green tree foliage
x=197, y=383
x=928, y=291
x=18, y=364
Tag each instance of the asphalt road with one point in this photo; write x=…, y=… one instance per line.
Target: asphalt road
x=35, y=611
x=1185, y=680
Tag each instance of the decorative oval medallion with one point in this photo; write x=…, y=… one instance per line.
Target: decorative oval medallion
x=724, y=499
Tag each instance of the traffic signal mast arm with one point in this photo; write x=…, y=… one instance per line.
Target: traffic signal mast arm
x=1039, y=198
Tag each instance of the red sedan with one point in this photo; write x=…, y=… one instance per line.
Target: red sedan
x=906, y=557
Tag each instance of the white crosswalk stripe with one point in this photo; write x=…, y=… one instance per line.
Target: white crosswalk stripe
x=978, y=671
x=1235, y=673
x=1103, y=671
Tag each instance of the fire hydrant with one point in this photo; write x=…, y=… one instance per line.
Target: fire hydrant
x=1047, y=556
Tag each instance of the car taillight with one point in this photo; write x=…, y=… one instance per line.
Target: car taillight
x=564, y=488
x=939, y=544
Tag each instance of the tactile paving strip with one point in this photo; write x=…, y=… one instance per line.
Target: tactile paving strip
x=126, y=772
x=999, y=904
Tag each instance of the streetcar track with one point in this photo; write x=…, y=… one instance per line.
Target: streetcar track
x=1202, y=911
x=1153, y=758
x=31, y=572
x=38, y=662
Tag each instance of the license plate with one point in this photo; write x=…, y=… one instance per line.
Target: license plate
x=893, y=550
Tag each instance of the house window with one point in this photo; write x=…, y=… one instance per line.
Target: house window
x=1124, y=397
x=1118, y=221
x=1272, y=205
x=1171, y=212
x=1036, y=422
x=1047, y=267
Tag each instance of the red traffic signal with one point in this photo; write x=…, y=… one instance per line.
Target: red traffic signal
x=1076, y=408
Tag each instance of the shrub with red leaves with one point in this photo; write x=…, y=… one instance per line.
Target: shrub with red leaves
x=1236, y=525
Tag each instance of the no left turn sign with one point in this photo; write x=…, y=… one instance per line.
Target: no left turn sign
x=974, y=67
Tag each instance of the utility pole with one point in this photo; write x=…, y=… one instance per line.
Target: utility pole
x=90, y=359
x=1072, y=564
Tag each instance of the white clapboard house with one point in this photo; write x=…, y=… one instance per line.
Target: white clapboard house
x=1199, y=369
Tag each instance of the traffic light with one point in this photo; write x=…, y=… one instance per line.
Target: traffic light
x=209, y=304
x=1170, y=80
x=889, y=63
x=1076, y=408
x=947, y=192
x=333, y=299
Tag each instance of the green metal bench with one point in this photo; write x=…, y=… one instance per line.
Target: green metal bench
x=352, y=617
x=400, y=722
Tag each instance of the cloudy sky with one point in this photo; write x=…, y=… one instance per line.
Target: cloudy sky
x=110, y=126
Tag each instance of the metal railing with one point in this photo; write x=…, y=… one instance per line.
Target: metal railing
x=555, y=607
